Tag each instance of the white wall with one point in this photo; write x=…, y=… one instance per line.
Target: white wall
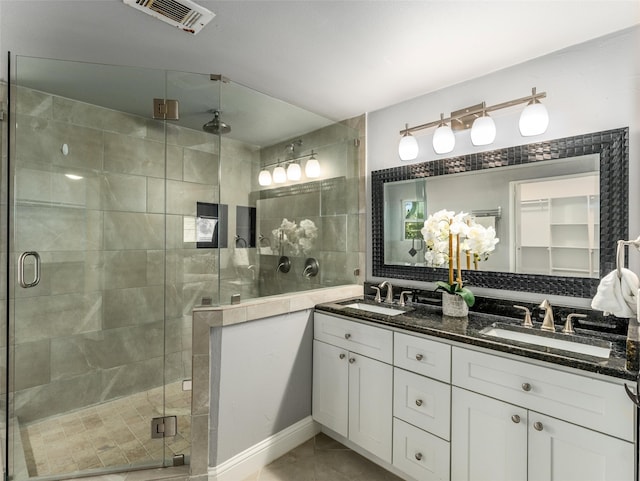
x=590, y=87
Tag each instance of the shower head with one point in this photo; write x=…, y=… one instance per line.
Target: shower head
x=216, y=126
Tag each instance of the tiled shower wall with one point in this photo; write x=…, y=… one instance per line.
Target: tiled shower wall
x=334, y=204
x=94, y=327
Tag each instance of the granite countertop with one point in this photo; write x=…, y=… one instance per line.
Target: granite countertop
x=428, y=319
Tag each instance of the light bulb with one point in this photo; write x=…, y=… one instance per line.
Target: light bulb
x=483, y=131
x=534, y=119
x=312, y=168
x=294, y=172
x=279, y=175
x=408, y=147
x=443, y=139
x=264, y=178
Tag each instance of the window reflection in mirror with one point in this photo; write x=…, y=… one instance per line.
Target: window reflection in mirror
x=559, y=239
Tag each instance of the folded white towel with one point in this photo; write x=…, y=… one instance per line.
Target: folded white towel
x=617, y=294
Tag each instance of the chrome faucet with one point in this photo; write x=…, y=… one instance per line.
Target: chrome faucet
x=389, y=297
x=548, y=323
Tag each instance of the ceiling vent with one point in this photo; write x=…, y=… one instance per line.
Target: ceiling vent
x=183, y=14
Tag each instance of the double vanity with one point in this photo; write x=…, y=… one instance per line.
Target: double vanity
x=433, y=397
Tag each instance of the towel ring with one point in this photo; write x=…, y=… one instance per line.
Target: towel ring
x=620, y=253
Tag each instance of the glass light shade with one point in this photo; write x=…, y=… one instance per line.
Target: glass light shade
x=312, y=168
x=264, y=178
x=534, y=119
x=443, y=140
x=279, y=175
x=483, y=131
x=294, y=172
x=408, y=147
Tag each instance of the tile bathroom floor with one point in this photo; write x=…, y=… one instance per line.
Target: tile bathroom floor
x=115, y=433
x=322, y=459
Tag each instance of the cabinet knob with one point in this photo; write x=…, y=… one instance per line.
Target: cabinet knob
x=343, y=355
x=526, y=386
x=418, y=456
x=538, y=426
x=347, y=336
x=419, y=357
x=418, y=402
x=352, y=360
x=515, y=418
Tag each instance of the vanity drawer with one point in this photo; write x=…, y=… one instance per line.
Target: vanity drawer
x=424, y=356
x=579, y=399
x=423, y=402
x=419, y=454
x=363, y=339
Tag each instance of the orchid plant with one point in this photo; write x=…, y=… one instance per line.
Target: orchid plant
x=298, y=237
x=447, y=235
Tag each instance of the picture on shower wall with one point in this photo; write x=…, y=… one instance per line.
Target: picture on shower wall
x=211, y=225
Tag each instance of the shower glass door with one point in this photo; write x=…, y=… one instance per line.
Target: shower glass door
x=87, y=234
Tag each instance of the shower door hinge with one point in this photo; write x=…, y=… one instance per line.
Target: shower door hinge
x=166, y=427
x=165, y=109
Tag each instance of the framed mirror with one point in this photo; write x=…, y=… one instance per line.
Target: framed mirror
x=523, y=191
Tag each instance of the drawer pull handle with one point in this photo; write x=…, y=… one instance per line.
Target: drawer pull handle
x=538, y=426
x=515, y=418
x=526, y=386
x=347, y=336
x=419, y=456
x=343, y=355
x=352, y=360
x=418, y=402
x=419, y=357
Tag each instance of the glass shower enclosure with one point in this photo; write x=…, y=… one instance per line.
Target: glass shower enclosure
x=122, y=214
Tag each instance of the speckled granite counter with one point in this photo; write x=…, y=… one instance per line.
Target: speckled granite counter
x=622, y=362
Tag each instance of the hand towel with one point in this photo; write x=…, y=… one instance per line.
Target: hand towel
x=617, y=294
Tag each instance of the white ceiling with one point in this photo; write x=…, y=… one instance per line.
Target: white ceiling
x=335, y=58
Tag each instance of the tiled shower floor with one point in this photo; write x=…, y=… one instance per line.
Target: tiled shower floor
x=116, y=433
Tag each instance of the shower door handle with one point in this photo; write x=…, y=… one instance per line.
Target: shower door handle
x=36, y=275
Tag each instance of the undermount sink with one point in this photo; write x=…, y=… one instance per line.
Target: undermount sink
x=565, y=342
x=388, y=311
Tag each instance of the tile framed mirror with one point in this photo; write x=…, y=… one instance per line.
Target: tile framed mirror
x=558, y=207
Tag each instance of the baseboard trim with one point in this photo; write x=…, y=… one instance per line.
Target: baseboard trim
x=259, y=455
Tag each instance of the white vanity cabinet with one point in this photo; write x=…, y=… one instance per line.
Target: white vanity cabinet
x=353, y=382
x=512, y=420
x=421, y=407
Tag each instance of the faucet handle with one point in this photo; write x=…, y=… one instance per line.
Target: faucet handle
x=568, y=325
x=377, y=298
x=402, y=302
x=527, y=316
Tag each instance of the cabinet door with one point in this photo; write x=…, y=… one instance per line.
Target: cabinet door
x=559, y=451
x=488, y=439
x=370, y=404
x=330, y=387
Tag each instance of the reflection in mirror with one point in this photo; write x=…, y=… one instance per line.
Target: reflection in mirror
x=558, y=208
x=545, y=215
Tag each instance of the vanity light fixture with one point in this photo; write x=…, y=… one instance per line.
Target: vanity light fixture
x=279, y=175
x=293, y=171
x=443, y=138
x=483, y=130
x=408, y=147
x=312, y=167
x=534, y=120
x=264, y=177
